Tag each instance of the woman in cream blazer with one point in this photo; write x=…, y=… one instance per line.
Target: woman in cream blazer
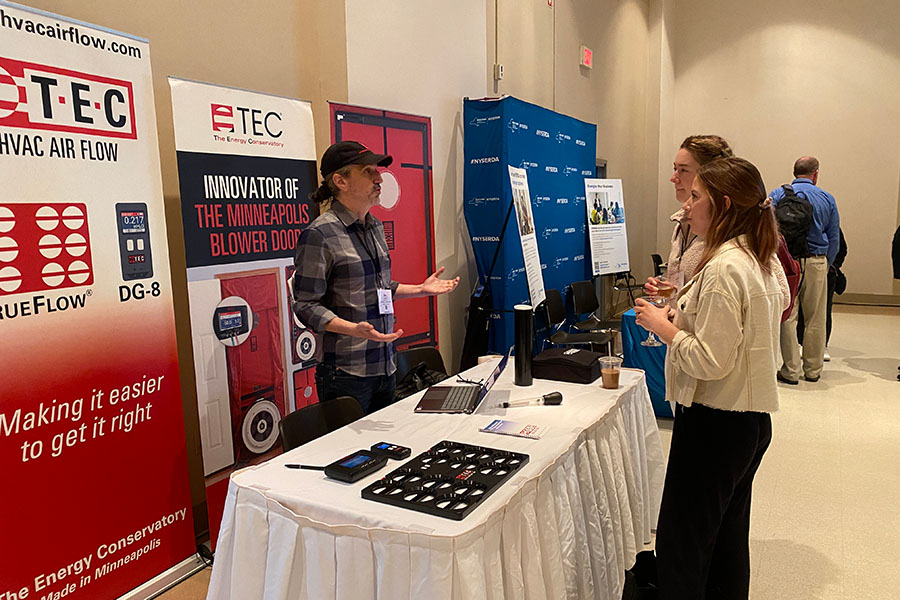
x=723, y=354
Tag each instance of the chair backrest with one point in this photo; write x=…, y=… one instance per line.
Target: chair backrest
x=313, y=421
x=657, y=264
x=412, y=357
x=584, y=297
x=554, y=309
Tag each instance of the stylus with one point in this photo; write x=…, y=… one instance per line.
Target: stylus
x=551, y=399
x=309, y=467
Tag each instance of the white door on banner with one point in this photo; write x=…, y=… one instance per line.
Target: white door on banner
x=211, y=371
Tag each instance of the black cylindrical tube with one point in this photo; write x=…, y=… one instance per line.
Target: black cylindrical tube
x=524, y=343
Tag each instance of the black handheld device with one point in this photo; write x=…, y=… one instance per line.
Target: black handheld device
x=134, y=240
x=391, y=450
x=355, y=466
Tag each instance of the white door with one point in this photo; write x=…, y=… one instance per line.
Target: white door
x=211, y=371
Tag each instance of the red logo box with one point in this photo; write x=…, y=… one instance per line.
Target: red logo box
x=34, y=96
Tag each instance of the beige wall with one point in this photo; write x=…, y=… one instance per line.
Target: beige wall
x=783, y=79
x=521, y=38
x=424, y=69
x=422, y=57
x=282, y=47
x=662, y=80
x=617, y=96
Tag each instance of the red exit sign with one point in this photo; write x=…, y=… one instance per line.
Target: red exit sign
x=587, y=57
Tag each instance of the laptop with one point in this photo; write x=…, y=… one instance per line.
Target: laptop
x=459, y=398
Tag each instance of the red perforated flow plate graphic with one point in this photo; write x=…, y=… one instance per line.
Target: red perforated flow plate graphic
x=44, y=246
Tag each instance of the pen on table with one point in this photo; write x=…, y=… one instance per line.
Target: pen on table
x=551, y=399
x=310, y=467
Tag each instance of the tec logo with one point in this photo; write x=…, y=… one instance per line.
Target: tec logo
x=44, y=247
x=34, y=96
x=245, y=121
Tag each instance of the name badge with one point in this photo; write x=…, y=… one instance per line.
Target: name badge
x=385, y=302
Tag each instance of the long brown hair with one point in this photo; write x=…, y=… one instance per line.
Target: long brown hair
x=750, y=213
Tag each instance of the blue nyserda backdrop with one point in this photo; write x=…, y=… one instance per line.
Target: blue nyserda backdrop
x=558, y=152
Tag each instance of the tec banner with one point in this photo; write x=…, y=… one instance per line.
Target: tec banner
x=96, y=498
x=246, y=163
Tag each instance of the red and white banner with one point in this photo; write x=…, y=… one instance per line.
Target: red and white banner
x=96, y=498
x=246, y=164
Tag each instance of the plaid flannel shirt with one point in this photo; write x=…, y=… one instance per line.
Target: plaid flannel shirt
x=340, y=264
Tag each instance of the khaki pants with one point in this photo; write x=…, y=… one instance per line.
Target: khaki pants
x=813, y=297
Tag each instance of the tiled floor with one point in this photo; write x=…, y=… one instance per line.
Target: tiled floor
x=826, y=502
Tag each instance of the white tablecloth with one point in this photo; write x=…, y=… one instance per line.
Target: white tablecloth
x=565, y=526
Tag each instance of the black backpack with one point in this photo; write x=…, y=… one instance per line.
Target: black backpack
x=794, y=214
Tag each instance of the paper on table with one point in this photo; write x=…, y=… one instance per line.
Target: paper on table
x=502, y=427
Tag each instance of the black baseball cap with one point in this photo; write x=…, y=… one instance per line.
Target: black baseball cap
x=346, y=153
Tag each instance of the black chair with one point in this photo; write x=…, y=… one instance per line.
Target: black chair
x=417, y=369
x=313, y=421
x=555, y=314
x=584, y=301
x=659, y=266
x=625, y=282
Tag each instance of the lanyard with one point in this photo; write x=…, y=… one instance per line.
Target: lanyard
x=687, y=238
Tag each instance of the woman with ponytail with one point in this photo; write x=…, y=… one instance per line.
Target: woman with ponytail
x=723, y=355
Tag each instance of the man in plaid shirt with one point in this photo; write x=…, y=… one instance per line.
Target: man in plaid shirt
x=342, y=283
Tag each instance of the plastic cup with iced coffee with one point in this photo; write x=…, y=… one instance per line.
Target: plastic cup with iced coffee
x=609, y=371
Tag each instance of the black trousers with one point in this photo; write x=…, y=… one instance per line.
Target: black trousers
x=373, y=393
x=703, y=534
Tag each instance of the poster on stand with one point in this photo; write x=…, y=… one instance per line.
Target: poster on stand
x=96, y=498
x=518, y=180
x=246, y=163
x=606, y=225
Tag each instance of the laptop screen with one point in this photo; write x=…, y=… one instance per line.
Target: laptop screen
x=495, y=375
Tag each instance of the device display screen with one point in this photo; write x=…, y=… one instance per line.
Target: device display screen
x=355, y=461
x=383, y=446
x=136, y=258
x=133, y=222
x=230, y=320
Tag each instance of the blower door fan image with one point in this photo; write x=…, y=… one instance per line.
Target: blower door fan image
x=259, y=428
x=306, y=345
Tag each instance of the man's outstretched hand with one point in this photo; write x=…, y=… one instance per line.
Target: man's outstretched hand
x=434, y=286
x=366, y=330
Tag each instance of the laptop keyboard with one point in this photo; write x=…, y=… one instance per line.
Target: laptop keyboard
x=459, y=398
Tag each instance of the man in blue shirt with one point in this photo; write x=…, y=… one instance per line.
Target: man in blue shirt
x=823, y=240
